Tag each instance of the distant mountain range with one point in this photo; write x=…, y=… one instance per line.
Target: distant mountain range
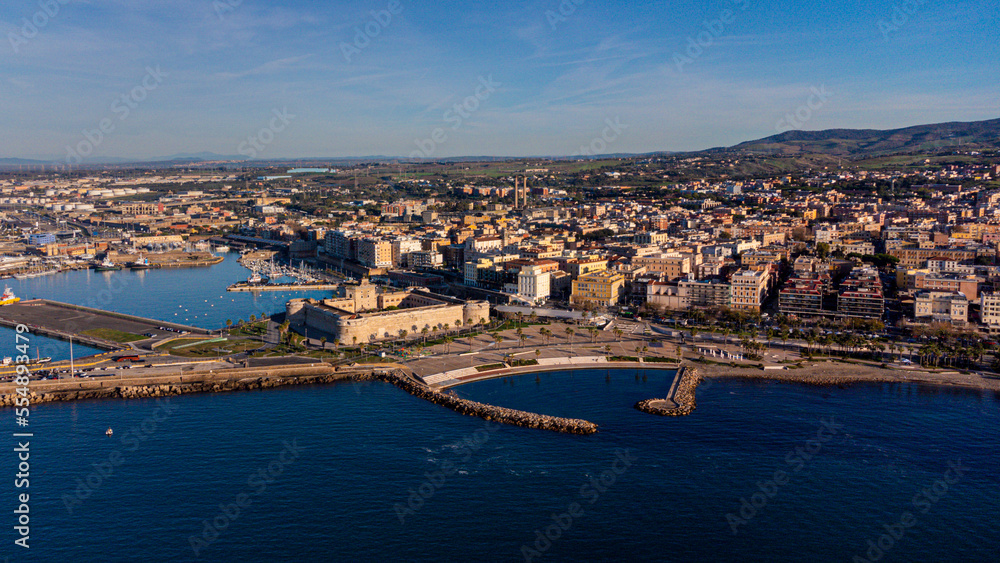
x=862, y=143
x=839, y=143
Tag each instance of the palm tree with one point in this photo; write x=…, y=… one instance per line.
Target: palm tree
x=593, y=334
x=322, y=342
x=607, y=349
x=522, y=337
x=283, y=330
x=520, y=334
x=471, y=337
x=424, y=332
x=498, y=338
x=569, y=335
x=229, y=323
x=618, y=333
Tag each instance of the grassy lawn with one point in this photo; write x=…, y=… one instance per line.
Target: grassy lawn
x=659, y=360
x=249, y=329
x=114, y=335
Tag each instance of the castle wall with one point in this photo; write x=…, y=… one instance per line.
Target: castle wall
x=368, y=327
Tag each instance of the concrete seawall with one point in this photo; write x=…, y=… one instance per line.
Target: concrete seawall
x=91, y=310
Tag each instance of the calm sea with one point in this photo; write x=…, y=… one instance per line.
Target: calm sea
x=194, y=296
x=365, y=472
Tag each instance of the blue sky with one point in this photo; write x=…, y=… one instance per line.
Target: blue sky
x=223, y=69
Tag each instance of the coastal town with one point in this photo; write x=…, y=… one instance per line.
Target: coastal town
x=886, y=265
x=535, y=281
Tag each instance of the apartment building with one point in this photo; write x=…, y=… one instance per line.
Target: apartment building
x=601, y=289
x=375, y=253
x=942, y=306
x=748, y=289
x=802, y=297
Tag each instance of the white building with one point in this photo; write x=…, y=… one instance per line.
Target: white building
x=401, y=248
x=944, y=306
x=990, y=304
x=533, y=284
x=426, y=259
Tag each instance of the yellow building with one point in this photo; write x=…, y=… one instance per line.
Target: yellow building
x=600, y=289
x=748, y=289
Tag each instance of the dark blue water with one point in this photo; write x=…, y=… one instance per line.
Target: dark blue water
x=41, y=346
x=193, y=296
x=367, y=450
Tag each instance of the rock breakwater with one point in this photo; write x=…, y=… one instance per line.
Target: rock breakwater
x=682, y=402
x=482, y=410
x=170, y=389
x=256, y=379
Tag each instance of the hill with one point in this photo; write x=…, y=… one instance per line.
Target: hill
x=867, y=143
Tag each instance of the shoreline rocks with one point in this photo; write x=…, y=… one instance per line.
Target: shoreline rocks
x=683, y=397
x=172, y=389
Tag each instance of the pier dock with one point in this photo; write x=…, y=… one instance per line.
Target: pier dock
x=86, y=325
x=283, y=287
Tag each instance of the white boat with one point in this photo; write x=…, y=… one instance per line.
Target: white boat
x=36, y=274
x=222, y=249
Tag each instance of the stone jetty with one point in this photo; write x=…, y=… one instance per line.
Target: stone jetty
x=682, y=399
x=482, y=410
x=178, y=387
x=266, y=378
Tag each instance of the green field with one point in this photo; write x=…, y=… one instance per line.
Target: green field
x=114, y=335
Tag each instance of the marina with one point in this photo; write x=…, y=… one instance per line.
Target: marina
x=190, y=296
x=294, y=286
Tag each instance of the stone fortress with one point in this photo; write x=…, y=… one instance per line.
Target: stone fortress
x=369, y=313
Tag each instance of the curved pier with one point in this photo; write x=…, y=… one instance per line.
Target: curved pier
x=482, y=410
